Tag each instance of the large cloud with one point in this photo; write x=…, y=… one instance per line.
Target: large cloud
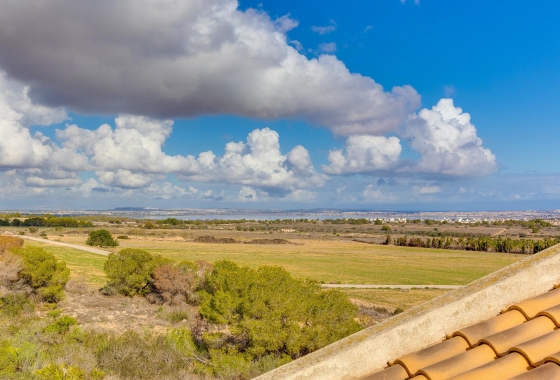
x=448, y=142
x=131, y=156
x=444, y=138
x=165, y=59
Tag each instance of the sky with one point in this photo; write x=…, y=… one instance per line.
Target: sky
x=373, y=105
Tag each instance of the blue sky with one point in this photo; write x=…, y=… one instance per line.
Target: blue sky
x=466, y=118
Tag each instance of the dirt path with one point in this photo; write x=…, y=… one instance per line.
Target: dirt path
x=75, y=246
x=499, y=232
x=354, y=286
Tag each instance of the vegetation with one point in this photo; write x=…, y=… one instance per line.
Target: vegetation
x=481, y=244
x=131, y=272
x=101, y=238
x=39, y=271
x=267, y=317
x=270, y=313
x=9, y=242
x=47, y=221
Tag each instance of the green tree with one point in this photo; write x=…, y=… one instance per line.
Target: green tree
x=131, y=271
x=46, y=275
x=101, y=238
x=270, y=313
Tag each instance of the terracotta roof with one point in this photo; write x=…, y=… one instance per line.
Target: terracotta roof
x=521, y=343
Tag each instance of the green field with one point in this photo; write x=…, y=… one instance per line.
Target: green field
x=403, y=299
x=83, y=265
x=324, y=261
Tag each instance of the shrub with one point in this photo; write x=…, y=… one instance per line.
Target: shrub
x=60, y=372
x=61, y=325
x=123, y=237
x=33, y=229
x=46, y=275
x=270, y=313
x=178, y=316
x=101, y=238
x=10, y=265
x=131, y=271
x=13, y=304
x=178, y=284
x=9, y=242
x=132, y=356
x=9, y=362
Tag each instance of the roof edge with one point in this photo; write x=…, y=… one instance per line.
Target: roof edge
x=369, y=350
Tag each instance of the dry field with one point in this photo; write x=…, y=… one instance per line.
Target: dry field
x=328, y=260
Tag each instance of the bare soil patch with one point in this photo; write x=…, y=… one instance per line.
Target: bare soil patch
x=116, y=314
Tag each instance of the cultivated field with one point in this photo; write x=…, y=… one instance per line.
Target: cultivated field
x=334, y=261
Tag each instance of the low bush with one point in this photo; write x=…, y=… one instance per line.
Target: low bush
x=13, y=304
x=178, y=284
x=46, y=275
x=9, y=242
x=131, y=271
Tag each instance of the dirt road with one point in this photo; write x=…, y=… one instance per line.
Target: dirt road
x=75, y=246
x=352, y=286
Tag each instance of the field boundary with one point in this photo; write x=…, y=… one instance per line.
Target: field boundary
x=361, y=286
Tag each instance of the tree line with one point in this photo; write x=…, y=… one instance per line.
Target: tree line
x=48, y=221
x=480, y=244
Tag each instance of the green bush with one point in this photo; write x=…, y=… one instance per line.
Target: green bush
x=60, y=372
x=9, y=362
x=178, y=316
x=270, y=313
x=131, y=356
x=13, y=304
x=46, y=275
x=101, y=238
x=61, y=325
x=131, y=271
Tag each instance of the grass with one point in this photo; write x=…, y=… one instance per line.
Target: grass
x=404, y=299
x=345, y=262
x=83, y=265
x=329, y=261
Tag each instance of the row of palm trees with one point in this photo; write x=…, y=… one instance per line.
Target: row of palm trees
x=482, y=244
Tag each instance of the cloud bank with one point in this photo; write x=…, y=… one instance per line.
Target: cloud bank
x=167, y=59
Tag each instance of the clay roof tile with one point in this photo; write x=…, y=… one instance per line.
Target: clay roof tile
x=548, y=371
x=458, y=364
x=504, y=368
x=433, y=354
x=491, y=326
x=395, y=372
x=552, y=313
x=536, y=350
x=531, y=307
x=503, y=341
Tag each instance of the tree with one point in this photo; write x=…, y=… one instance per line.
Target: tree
x=269, y=313
x=131, y=271
x=101, y=238
x=46, y=275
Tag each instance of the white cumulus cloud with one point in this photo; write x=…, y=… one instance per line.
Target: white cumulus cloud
x=364, y=154
x=448, y=143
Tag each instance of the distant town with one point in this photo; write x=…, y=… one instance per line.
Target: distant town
x=551, y=216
